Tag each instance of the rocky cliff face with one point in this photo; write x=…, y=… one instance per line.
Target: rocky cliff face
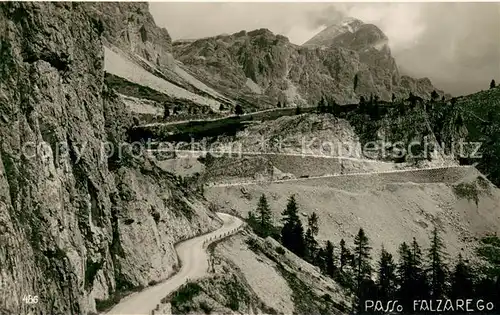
x=75, y=226
x=344, y=61
x=130, y=27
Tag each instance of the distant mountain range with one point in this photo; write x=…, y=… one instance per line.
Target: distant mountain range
x=257, y=68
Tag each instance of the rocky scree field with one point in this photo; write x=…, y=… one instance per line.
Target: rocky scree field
x=391, y=208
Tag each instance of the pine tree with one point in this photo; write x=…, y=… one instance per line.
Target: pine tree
x=311, y=245
x=462, y=282
x=418, y=276
x=321, y=259
x=292, y=235
x=386, y=280
x=312, y=223
x=492, y=84
x=329, y=259
x=264, y=216
x=279, y=104
x=405, y=275
x=299, y=246
x=221, y=107
x=290, y=218
x=355, y=81
x=344, y=255
x=437, y=269
x=361, y=260
x=411, y=277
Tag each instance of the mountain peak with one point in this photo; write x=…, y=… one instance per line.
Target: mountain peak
x=333, y=30
x=349, y=23
x=350, y=33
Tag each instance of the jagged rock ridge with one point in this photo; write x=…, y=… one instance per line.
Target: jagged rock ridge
x=345, y=62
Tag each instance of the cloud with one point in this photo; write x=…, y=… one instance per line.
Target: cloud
x=456, y=45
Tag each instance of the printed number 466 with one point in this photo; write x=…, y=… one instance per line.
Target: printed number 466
x=30, y=299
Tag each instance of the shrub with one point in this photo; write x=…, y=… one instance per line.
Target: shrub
x=253, y=244
x=152, y=283
x=280, y=250
x=185, y=294
x=468, y=191
x=207, y=309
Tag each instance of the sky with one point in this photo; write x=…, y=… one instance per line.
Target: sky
x=456, y=45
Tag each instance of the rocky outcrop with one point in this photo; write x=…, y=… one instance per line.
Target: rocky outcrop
x=77, y=224
x=130, y=27
x=344, y=61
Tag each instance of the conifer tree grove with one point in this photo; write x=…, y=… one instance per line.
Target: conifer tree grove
x=410, y=279
x=264, y=216
x=344, y=255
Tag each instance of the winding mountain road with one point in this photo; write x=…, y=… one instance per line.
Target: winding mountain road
x=194, y=260
x=306, y=179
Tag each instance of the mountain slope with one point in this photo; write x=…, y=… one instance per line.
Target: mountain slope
x=480, y=116
x=391, y=208
x=141, y=52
